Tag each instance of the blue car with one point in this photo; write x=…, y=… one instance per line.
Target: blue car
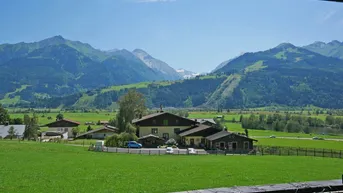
x=134, y=144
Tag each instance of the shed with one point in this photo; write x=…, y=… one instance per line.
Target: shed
x=230, y=141
x=151, y=141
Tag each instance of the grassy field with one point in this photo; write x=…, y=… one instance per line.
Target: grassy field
x=319, y=144
x=33, y=167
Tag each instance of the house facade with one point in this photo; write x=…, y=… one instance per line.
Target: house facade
x=63, y=125
x=229, y=141
x=163, y=124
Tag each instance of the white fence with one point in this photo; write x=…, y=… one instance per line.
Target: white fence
x=151, y=151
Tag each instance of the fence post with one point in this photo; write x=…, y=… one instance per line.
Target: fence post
x=140, y=151
x=331, y=153
x=159, y=153
x=216, y=151
x=116, y=149
x=323, y=152
x=128, y=150
x=178, y=152
x=262, y=150
x=149, y=151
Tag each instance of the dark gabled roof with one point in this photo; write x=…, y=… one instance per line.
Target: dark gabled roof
x=54, y=133
x=150, y=135
x=223, y=134
x=200, y=120
x=99, y=129
x=62, y=120
x=194, y=130
x=156, y=115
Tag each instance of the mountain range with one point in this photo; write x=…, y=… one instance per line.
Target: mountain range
x=57, y=66
x=57, y=72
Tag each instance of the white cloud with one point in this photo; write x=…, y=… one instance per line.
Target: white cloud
x=154, y=1
x=328, y=15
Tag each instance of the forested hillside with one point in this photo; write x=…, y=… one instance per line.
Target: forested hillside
x=60, y=67
x=285, y=75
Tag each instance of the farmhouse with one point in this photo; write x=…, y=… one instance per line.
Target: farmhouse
x=163, y=124
x=155, y=128
x=100, y=133
x=18, y=129
x=63, y=125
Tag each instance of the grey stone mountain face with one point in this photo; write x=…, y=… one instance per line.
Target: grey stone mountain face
x=156, y=64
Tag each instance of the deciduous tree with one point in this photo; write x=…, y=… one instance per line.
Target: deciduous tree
x=131, y=106
x=12, y=132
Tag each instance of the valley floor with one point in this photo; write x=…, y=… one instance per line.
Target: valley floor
x=40, y=167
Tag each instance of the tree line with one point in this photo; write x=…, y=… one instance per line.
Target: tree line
x=290, y=123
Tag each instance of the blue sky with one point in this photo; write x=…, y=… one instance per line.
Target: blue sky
x=191, y=34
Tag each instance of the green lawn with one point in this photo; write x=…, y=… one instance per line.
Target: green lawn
x=33, y=167
x=318, y=144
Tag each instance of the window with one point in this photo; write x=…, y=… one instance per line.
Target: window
x=154, y=131
x=165, y=122
x=246, y=145
x=65, y=129
x=176, y=130
x=165, y=136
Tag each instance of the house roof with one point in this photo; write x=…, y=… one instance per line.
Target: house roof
x=148, y=136
x=18, y=128
x=194, y=130
x=54, y=133
x=61, y=121
x=99, y=129
x=223, y=134
x=200, y=120
x=156, y=115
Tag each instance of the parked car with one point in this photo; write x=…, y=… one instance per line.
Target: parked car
x=134, y=144
x=272, y=136
x=169, y=150
x=191, y=151
x=317, y=138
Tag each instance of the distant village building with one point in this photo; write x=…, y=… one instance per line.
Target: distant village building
x=63, y=127
x=104, y=122
x=100, y=133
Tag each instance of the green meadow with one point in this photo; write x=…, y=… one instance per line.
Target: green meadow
x=43, y=167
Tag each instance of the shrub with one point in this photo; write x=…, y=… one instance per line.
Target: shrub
x=113, y=141
x=171, y=142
